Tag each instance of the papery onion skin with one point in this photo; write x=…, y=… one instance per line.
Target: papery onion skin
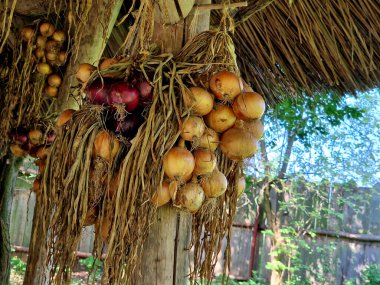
x=35, y=136
x=162, y=195
x=221, y=118
x=249, y=106
x=238, y=144
x=199, y=100
x=17, y=150
x=255, y=127
x=97, y=92
x=191, y=197
x=205, y=161
x=225, y=85
x=47, y=29
x=106, y=146
x=209, y=140
x=64, y=117
x=179, y=164
x=84, y=72
x=192, y=128
x=215, y=185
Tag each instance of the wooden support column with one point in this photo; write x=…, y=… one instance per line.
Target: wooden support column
x=91, y=49
x=165, y=258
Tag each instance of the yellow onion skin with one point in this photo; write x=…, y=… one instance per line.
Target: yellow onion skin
x=84, y=72
x=221, y=118
x=106, y=146
x=64, y=117
x=248, y=106
x=214, y=185
x=199, y=100
x=240, y=185
x=255, y=127
x=162, y=195
x=17, y=150
x=191, y=197
x=209, y=140
x=225, y=85
x=238, y=144
x=179, y=164
x=205, y=161
x=193, y=128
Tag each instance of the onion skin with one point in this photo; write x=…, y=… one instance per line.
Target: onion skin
x=106, y=146
x=114, y=185
x=27, y=34
x=36, y=188
x=105, y=64
x=225, y=85
x=39, y=53
x=209, y=140
x=47, y=29
x=238, y=144
x=193, y=128
x=248, y=106
x=215, y=185
x=205, y=161
x=162, y=195
x=44, y=68
x=64, y=117
x=41, y=42
x=62, y=56
x=97, y=92
x=17, y=150
x=145, y=90
x=19, y=136
x=123, y=93
x=52, y=47
x=84, y=72
x=35, y=136
x=59, y=36
x=54, y=80
x=179, y=164
x=221, y=118
x=240, y=185
x=199, y=100
x=255, y=127
x=191, y=197
x=43, y=152
x=51, y=91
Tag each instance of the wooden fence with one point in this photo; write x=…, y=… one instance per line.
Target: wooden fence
x=338, y=253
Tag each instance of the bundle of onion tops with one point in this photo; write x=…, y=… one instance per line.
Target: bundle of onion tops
x=227, y=119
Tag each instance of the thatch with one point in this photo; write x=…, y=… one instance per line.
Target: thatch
x=308, y=45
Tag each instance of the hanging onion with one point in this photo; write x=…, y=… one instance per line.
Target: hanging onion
x=221, y=118
x=27, y=33
x=124, y=93
x=62, y=56
x=205, y=161
x=107, y=63
x=199, y=100
x=43, y=152
x=64, y=117
x=44, y=68
x=41, y=42
x=191, y=197
x=240, y=185
x=59, y=36
x=35, y=136
x=51, y=91
x=249, y=105
x=54, y=80
x=238, y=144
x=225, y=85
x=39, y=53
x=162, y=195
x=97, y=92
x=192, y=128
x=17, y=150
x=84, y=72
x=47, y=29
x=106, y=146
x=215, y=185
x=179, y=164
x=209, y=140
x=255, y=127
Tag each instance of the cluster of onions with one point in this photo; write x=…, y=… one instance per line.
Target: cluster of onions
x=49, y=53
x=224, y=117
x=113, y=92
x=36, y=143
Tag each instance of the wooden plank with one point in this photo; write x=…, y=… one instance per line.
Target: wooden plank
x=29, y=219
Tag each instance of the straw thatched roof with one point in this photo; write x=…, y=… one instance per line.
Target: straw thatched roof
x=309, y=45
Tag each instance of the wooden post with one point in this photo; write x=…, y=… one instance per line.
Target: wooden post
x=165, y=253
x=91, y=50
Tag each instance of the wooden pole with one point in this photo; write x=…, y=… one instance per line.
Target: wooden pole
x=91, y=49
x=165, y=253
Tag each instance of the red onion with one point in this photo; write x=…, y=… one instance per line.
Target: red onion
x=146, y=91
x=129, y=126
x=50, y=137
x=97, y=92
x=19, y=136
x=123, y=93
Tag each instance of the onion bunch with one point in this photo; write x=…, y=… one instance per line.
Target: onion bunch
x=50, y=53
